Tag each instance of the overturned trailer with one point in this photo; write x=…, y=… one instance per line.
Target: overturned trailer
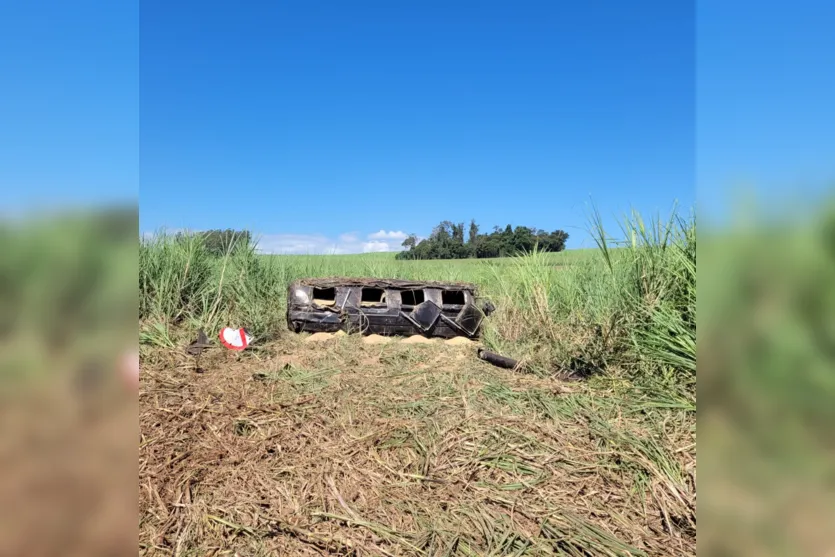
x=385, y=307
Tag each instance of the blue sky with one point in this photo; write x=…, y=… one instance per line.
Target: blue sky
x=765, y=110
x=69, y=103
x=322, y=124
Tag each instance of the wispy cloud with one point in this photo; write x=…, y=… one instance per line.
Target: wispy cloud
x=348, y=242
x=296, y=243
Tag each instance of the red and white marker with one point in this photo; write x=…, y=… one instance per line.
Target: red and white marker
x=234, y=339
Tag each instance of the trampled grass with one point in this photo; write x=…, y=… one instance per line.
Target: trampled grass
x=394, y=449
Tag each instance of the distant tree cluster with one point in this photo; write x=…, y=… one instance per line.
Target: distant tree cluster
x=447, y=242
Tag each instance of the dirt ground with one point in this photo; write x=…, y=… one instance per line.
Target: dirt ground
x=346, y=447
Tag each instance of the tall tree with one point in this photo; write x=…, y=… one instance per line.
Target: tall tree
x=458, y=233
x=473, y=232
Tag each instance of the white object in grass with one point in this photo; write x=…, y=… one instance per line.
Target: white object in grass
x=235, y=339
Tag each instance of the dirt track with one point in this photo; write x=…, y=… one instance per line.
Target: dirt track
x=344, y=447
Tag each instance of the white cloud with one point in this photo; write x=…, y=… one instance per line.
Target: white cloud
x=390, y=235
x=375, y=246
x=348, y=242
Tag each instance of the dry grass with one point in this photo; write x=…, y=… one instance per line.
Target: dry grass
x=393, y=449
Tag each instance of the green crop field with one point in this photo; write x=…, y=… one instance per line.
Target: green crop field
x=401, y=449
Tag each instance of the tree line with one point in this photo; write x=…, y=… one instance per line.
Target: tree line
x=447, y=242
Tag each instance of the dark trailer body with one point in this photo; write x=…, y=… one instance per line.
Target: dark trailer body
x=385, y=307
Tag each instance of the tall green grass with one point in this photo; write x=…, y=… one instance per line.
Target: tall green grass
x=627, y=307
x=654, y=278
